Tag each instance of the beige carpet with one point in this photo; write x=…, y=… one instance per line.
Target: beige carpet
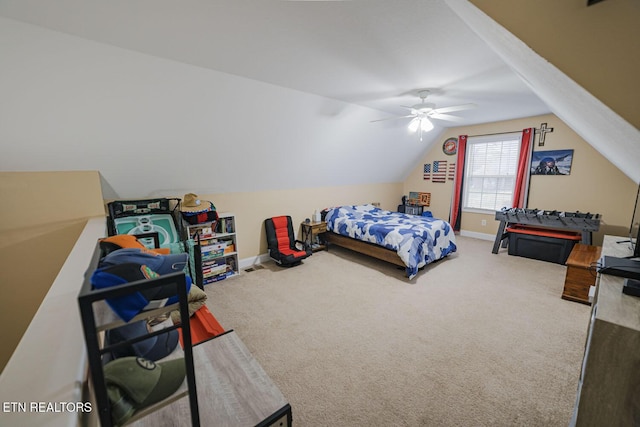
x=474, y=340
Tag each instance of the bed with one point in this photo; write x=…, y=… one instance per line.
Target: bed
x=409, y=241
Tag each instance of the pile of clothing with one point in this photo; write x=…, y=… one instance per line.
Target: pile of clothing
x=140, y=372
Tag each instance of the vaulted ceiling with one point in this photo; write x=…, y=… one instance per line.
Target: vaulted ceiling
x=359, y=60
x=376, y=53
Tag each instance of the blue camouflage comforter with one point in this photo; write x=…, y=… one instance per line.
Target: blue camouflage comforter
x=418, y=240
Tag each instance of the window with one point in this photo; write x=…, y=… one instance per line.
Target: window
x=490, y=171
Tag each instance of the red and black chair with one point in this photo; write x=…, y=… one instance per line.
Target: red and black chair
x=284, y=249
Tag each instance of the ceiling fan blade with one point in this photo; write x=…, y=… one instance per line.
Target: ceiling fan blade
x=448, y=117
x=393, y=118
x=455, y=108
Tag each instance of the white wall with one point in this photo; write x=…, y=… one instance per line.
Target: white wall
x=49, y=364
x=157, y=127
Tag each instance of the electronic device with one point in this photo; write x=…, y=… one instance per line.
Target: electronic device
x=622, y=267
x=631, y=287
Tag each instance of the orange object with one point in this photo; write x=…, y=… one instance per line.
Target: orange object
x=203, y=326
x=537, y=231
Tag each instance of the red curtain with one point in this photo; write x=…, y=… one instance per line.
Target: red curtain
x=521, y=190
x=456, y=205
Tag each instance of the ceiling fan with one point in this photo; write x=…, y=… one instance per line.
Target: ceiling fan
x=424, y=111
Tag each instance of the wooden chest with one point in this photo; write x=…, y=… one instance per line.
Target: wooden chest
x=581, y=273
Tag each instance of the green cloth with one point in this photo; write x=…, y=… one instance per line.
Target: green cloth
x=133, y=383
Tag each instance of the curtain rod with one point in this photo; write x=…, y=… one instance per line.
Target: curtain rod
x=535, y=130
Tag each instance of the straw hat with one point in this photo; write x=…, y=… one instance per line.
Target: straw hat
x=192, y=204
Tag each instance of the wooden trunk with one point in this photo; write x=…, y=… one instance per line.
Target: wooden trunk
x=581, y=273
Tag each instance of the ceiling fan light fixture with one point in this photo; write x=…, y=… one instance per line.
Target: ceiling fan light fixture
x=421, y=123
x=426, y=125
x=422, y=113
x=414, y=124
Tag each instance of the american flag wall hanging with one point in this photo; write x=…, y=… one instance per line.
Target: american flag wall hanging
x=452, y=171
x=439, y=173
x=426, y=171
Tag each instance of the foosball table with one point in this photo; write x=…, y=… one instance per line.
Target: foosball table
x=528, y=220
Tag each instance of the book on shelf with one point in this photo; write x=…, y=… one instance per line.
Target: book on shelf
x=207, y=236
x=219, y=269
x=210, y=256
x=220, y=246
x=202, y=230
x=225, y=225
x=217, y=278
x=212, y=280
x=214, y=271
x=218, y=238
x=214, y=267
x=214, y=262
x=209, y=241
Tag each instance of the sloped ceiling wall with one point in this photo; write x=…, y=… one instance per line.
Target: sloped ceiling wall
x=153, y=126
x=597, y=46
x=158, y=127
x=594, y=45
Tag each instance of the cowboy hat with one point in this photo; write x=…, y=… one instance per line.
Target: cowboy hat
x=193, y=204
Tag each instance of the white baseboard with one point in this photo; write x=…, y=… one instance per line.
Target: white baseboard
x=258, y=259
x=475, y=235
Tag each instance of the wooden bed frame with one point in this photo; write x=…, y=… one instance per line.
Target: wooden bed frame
x=365, y=248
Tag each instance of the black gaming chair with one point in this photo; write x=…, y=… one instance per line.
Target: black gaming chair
x=283, y=248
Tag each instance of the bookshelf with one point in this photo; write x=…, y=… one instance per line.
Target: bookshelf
x=218, y=248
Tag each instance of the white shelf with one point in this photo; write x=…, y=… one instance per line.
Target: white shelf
x=228, y=221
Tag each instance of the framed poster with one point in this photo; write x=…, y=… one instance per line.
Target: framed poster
x=425, y=199
x=552, y=162
x=418, y=198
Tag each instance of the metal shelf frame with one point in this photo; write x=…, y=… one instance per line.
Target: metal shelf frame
x=94, y=320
